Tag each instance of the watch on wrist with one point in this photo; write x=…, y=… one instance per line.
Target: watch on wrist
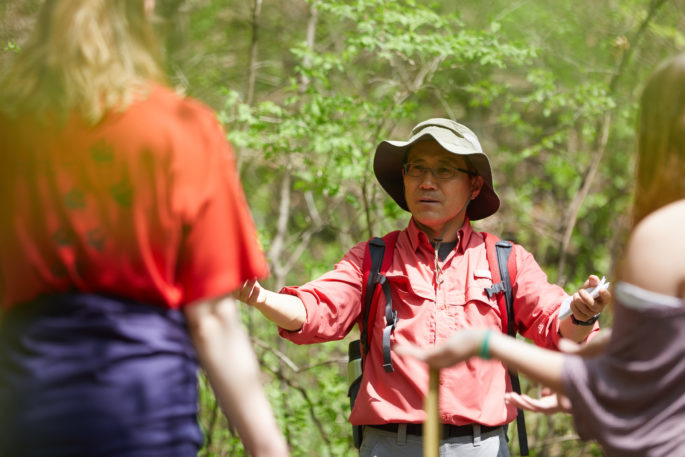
x=590, y=321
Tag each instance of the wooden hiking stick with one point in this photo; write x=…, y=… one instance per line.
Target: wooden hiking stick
x=431, y=427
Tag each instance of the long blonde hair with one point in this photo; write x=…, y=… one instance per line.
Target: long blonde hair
x=88, y=56
x=660, y=167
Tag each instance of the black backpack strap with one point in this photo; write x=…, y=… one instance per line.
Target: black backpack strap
x=371, y=267
x=391, y=323
x=503, y=249
x=376, y=253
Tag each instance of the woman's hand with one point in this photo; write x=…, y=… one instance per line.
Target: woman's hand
x=461, y=346
x=592, y=348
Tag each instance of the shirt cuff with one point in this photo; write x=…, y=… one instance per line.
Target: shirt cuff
x=296, y=336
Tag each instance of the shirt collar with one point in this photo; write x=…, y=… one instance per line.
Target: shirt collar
x=417, y=237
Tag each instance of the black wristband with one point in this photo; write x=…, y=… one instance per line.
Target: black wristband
x=588, y=322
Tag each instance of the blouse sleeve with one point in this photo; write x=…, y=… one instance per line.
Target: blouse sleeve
x=219, y=248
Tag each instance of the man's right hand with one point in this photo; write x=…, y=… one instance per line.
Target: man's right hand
x=286, y=311
x=251, y=293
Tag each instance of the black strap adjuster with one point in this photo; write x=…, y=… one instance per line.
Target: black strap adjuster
x=495, y=289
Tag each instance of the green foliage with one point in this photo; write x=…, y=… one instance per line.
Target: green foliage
x=539, y=82
x=11, y=46
x=333, y=113
x=537, y=85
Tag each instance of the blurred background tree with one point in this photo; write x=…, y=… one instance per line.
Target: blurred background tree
x=307, y=89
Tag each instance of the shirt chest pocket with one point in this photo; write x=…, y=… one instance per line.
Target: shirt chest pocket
x=471, y=294
x=455, y=304
x=406, y=296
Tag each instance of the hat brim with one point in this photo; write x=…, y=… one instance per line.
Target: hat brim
x=390, y=157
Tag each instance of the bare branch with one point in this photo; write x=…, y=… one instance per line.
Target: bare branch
x=254, y=46
x=310, y=404
x=602, y=130
x=426, y=73
x=311, y=207
x=301, y=247
x=311, y=34
x=574, y=208
x=276, y=248
x=282, y=357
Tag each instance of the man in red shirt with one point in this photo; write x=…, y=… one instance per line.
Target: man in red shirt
x=438, y=276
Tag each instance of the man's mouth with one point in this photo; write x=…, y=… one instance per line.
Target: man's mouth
x=428, y=200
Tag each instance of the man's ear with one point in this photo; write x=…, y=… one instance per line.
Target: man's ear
x=476, y=186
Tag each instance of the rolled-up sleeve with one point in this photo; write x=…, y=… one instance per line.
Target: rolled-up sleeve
x=536, y=302
x=332, y=302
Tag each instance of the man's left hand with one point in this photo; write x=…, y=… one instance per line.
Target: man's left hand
x=548, y=403
x=583, y=306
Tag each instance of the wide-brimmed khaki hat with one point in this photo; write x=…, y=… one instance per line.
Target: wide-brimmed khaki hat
x=453, y=137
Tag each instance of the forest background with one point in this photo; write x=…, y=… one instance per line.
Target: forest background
x=308, y=88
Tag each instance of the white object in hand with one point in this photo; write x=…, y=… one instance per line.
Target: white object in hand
x=565, y=310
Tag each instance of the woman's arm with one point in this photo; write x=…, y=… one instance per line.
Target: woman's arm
x=227, y=357
x=538, y=364
x=655, y=252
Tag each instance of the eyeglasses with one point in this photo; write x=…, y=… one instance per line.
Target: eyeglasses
x=441, y=172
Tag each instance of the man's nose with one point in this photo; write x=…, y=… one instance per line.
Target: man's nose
x=428, y=179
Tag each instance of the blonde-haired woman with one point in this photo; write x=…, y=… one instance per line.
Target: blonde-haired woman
x=123, y=232
x=631, y=397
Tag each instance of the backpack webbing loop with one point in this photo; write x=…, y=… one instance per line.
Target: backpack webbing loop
x=390, y=323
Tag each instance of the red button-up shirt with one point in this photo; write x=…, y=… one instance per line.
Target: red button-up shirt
x=430, y=307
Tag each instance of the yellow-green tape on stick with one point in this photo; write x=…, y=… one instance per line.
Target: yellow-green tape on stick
x=432, y=426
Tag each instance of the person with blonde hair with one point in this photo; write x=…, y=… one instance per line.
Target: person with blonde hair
x=123, y=230
x=630, y=397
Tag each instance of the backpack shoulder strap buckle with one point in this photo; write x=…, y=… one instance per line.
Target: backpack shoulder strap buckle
x=495, y=289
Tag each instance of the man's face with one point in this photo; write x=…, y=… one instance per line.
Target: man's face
x=436, y=202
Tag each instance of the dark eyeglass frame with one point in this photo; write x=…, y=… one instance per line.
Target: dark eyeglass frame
x=424, y=169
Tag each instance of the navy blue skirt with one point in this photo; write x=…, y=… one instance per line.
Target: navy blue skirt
x=86, y=375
